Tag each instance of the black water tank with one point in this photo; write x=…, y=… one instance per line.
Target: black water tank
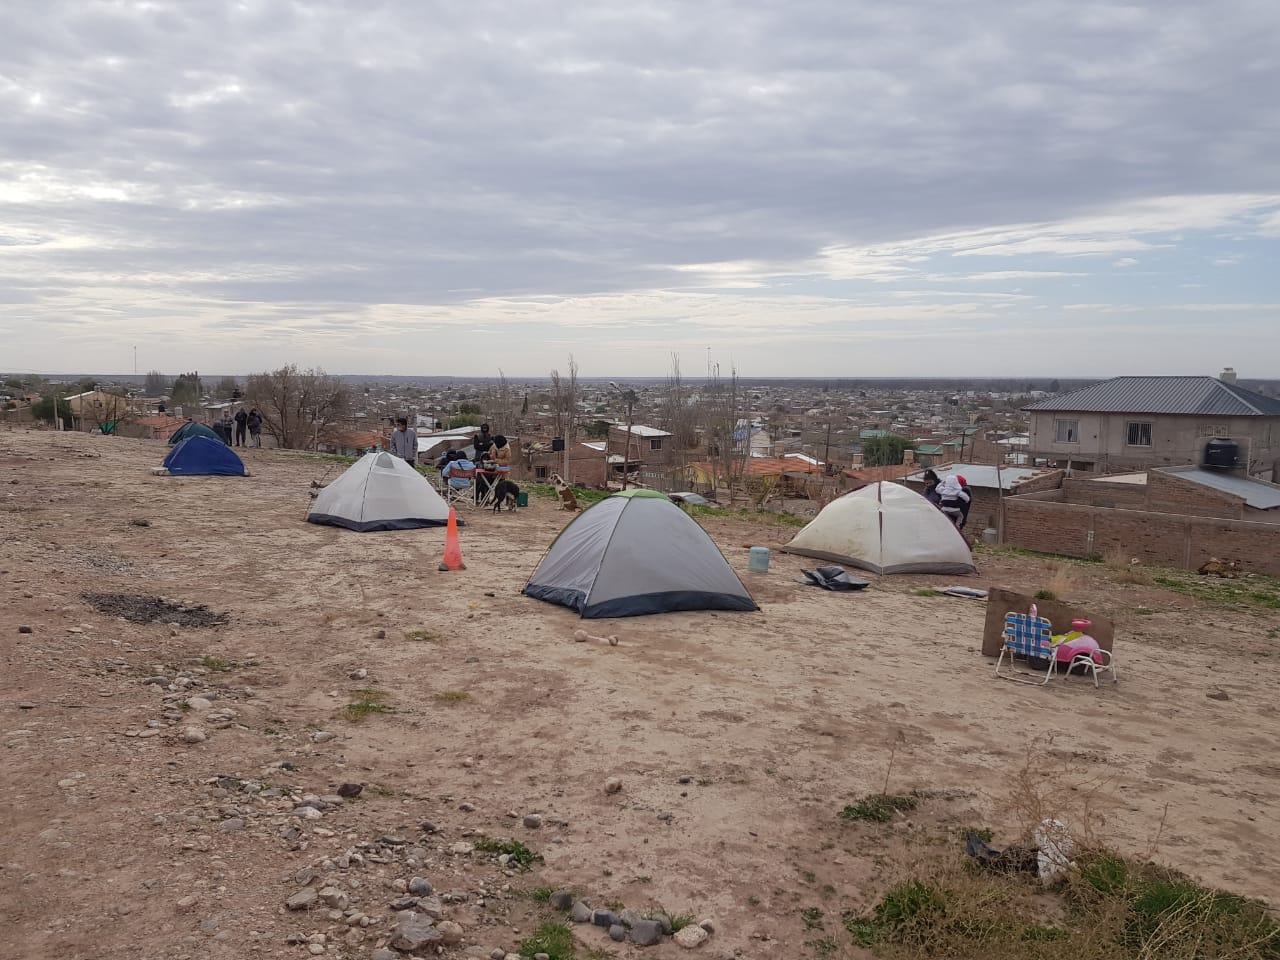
x=1223, y=453
x=557, y=444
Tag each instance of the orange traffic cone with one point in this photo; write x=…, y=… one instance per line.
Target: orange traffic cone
x=452, y=548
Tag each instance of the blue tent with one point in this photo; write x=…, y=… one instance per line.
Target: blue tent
x=200, y=456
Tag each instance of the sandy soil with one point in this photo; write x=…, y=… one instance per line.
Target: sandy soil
x=117, y=840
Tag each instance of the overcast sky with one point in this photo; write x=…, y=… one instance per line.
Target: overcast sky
x=816, y=187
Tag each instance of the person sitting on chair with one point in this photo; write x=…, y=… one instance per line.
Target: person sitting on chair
x=501, y=453
x=457, y=461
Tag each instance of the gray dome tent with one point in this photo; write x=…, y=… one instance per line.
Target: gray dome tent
x=380, y=491
x=635, y=553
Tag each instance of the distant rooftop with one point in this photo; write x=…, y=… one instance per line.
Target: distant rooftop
x=1188, y=396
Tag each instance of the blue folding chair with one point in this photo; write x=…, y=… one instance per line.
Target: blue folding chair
x=1030, y=637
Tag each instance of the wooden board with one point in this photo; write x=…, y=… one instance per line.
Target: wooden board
x=1000, y=602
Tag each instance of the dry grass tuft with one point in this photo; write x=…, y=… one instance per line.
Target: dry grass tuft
x=1122, y=568
x=1063, y=582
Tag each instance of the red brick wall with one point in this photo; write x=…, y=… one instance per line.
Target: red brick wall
x=1156, y=538
x=1168, y=494
x=1099, y=493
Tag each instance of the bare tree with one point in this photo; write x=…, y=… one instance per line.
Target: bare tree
x=502, y=406
x=226, y=388
x=296, y=406
x=564, y=407
x=722, y=408
x=679, y=416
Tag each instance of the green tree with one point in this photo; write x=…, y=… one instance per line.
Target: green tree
x=43, y=409
x=226, y=388
x=463, y=420
x=466, y=408
x=883, y=451
x=186, y=390
x=596, y=429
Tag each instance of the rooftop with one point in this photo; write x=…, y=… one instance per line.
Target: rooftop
x=983, y=475
x=1188, y=396
x=1256, y=493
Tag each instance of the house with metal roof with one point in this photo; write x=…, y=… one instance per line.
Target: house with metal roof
x=1138, y=423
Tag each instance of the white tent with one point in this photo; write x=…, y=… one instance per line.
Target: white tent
x=634, y=553
x=380, y=491
x=885, y=528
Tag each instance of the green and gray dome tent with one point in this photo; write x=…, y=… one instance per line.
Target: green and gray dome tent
x=635, y=553
x=193, y=429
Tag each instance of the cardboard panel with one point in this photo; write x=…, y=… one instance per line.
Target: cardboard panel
x=1001, y=601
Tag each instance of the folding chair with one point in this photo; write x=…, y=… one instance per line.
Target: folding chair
x=1031, y=637
x=461, y=495
x=1086, y=661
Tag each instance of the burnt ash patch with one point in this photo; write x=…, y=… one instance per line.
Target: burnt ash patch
x=142, y=609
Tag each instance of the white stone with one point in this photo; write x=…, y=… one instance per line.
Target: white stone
x=691, y=937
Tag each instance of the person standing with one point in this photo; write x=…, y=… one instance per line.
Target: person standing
x=404, y=442
x=254, y=422
x=242, y=423
x=931, y=487
x=954, y=502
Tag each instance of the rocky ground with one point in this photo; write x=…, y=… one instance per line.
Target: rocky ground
x=230, y=733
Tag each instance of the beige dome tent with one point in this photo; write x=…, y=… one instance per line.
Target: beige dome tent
x=885, y=528
x=379, y=492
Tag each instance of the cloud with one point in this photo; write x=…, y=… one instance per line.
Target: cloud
x=1125, y=262
x=301, y=170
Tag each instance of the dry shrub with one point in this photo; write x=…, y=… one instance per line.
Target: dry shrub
x=1121, y=568
x=1062, y=582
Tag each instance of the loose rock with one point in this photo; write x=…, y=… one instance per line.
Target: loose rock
x=580, y=913
x=691, y=937
x=450, y=932
x=24, y=629
x=533, y=821
x=617, y=933
x=561, y=900
x=413, y=932
x=420, y=887
x=612, y=785
x=646, y=933
x=302, y=899
x=193, y=735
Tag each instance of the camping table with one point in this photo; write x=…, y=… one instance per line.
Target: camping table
x=491, y=477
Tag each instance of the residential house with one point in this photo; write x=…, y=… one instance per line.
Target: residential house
x=97, y=409
x=647, y=446
x=158, y=426
x=349, y=443
x=1136, y=423
x=539, y=460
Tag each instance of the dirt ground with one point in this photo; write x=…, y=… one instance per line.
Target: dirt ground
x=737, y=737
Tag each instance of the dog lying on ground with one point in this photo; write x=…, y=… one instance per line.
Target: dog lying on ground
x=505, y=491
x=1214, y=567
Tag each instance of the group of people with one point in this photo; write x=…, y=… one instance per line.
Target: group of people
x=233, y=430
x=949, y=494
x=492, y=454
